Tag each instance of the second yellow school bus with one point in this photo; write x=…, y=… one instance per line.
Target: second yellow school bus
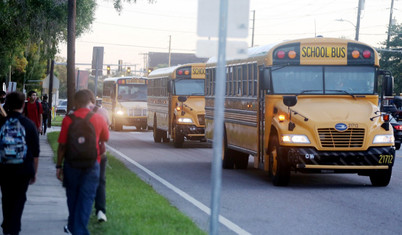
x=176, y=103
x=125, y=98
x=308, y=105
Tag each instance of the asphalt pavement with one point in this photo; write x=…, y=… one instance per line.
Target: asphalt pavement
x=45, y=210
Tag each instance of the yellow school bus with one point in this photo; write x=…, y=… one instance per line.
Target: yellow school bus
x=309, y=106
x=176, y=103
x=125, y=98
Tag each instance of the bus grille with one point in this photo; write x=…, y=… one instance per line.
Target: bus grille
x=201, y=119
x=351, y=138
x=137, y=112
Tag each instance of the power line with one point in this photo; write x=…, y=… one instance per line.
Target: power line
x=130, y=45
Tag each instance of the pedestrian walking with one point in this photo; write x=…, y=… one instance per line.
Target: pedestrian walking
x=19, y=152
x=2, y=97
x=33, y=110
x=100, y=197
x=46, y=113
x=78, y=149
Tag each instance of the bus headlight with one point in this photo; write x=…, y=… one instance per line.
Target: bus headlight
x=120, y=112
x=383, y=139
x=295, y=139
x=185, y=120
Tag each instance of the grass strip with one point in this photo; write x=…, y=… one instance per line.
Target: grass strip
x=133, y=207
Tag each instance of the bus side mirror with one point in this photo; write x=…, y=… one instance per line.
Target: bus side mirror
x=290, y=100
x=170, y=86
x=387, y=82
x=265, y=74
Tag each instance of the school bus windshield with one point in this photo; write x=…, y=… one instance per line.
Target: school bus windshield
x=338, y=80
x=132, y=92
x=189, y=87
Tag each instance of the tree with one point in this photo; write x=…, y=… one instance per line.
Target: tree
x=392, y=59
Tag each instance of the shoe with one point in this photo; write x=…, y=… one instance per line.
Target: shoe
x=101, y=216
x=66, y=230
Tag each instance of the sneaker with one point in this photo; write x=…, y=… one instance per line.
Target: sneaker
x=66, y=230
x=101, y=216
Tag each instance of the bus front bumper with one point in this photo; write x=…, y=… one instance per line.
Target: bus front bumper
x=311, y=160
x=192, y=132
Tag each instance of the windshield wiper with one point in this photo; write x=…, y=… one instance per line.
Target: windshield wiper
x=307, y=91
x=343, y=91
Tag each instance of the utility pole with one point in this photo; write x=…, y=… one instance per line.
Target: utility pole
x=252, y=33
x=71, y=54
x=51, y=75
x=390, y=23
x=170, y=54
x=359, y=9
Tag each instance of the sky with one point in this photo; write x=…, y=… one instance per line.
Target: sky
x=142, y=27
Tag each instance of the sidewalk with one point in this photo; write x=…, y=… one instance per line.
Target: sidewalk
x=46, y=210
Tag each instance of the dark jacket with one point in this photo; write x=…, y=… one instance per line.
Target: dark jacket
x=32, y=140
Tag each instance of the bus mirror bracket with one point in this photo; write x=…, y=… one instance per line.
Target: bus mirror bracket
x=266, y=79
x=387, y=85
x=182, y=99
x=170, y=86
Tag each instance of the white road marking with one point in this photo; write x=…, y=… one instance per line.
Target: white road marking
x=230, y=225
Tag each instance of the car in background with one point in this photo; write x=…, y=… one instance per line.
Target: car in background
x=397, y=126
x=61, y=108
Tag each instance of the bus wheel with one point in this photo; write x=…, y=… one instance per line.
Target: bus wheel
x=165, y=137
x=157, y=133
x=240, y=159
x=381, y=178
x=278, y=166
x=227, y=155
x=178, y=138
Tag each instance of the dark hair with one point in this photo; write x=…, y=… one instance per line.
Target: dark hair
x=14, y=100
x=82, y=98
x=2, y=93
x=30, y=93
x=44, y=97
x=91, y=95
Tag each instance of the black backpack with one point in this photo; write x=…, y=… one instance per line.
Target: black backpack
x=46, y=109
x=81, y=142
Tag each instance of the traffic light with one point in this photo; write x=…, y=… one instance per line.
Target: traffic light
x=108, y=69
x=128, y=70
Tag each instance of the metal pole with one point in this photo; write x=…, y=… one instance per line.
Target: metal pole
x=252, y=34
x=51, y=77
x=218, y=119
x=71, y=54
x=170, y=54
x=390, y=23
x=96, y=74
x=358, y=20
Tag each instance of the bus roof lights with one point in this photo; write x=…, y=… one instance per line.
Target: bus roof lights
x=180, y=72
x=186, y=72
x=355, y=54
x=366, y=54
x=280, y=54
x=292, y=54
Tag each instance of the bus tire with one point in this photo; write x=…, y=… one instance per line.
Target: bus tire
x=178, y=138
x=381, y=178
x=227, y=154
x=157, y=133
x=240, y=159
x=278, y=166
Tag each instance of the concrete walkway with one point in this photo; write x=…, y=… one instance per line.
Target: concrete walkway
x=46, y=210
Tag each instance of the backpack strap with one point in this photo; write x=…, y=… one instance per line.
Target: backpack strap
x=89, y=115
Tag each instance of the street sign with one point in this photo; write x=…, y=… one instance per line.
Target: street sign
x=208, y=18
x=97, y=60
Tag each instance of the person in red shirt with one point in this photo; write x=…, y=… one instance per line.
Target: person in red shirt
x=81, y=184
x=33, y=110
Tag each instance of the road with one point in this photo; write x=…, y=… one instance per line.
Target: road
x=250, y=204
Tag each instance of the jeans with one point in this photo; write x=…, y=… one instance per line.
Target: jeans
x=81, y=185
x=100, y=198
x=13, y=190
